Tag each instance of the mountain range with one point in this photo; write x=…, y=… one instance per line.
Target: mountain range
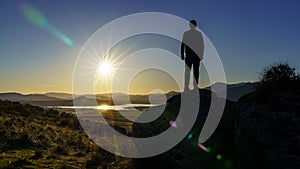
x=234, y=92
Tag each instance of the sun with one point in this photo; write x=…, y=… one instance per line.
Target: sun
x=104, y=68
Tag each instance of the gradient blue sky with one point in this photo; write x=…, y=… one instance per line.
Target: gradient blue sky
x=248, y=35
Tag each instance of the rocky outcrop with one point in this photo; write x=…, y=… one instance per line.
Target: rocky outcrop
x=251, y=134
x=273, y=126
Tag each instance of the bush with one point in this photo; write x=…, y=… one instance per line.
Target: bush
x=278, y=72
x=276, y=77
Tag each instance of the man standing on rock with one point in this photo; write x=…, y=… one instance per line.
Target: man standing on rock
x=192, y=51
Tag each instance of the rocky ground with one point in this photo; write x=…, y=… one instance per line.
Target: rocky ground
x=253, y=133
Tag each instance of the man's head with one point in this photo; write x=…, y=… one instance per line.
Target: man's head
x=193, y=24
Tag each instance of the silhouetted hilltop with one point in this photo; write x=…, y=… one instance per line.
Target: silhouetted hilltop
x=251, y=134
x=270, y=119
x=186, y=154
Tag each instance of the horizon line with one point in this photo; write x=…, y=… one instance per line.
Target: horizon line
x=133, y=93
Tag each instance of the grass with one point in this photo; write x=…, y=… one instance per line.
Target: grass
x=32, y=137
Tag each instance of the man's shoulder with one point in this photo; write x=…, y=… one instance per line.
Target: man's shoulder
x=198, y=32
x=194, y=31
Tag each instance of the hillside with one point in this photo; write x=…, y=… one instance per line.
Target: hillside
x=251, y=134
x=32, y=137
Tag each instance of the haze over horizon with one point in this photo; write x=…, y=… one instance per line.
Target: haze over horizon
x=40, y=41
x=107, y=93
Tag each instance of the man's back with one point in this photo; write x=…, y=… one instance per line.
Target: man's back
x=193, y=40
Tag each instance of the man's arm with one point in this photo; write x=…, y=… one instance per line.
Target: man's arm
x=201, y=47
x=182, y=49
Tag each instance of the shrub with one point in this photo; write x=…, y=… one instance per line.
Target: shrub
x=278, y=72
x=276, y=77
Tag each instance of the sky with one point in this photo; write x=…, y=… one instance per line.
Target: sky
x=41, y=40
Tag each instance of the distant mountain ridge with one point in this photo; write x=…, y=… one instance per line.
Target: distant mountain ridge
x=65, y=99
x=66, y=96
x=234, y=92
x=30, y=97
x=237, y=90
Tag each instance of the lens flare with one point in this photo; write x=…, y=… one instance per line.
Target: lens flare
x=35, y=17
x=190, y=136
x=206, y=149
x=172, y=123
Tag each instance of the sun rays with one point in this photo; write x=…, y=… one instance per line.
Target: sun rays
x=104, y=69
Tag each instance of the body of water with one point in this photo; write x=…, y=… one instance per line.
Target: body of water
x=132, y=111
x=108, y=107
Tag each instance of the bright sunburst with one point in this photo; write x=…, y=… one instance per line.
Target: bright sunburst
x=104, y=69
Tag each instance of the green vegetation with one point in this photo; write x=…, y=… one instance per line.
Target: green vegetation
x=33, y=137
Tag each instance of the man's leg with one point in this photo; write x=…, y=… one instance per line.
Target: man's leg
x=188, y=66
x=196, y=65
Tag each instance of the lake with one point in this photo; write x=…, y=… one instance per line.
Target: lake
x=110, y=112
x=108, y=107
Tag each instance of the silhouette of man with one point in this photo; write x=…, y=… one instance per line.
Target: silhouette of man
x=192, y=51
